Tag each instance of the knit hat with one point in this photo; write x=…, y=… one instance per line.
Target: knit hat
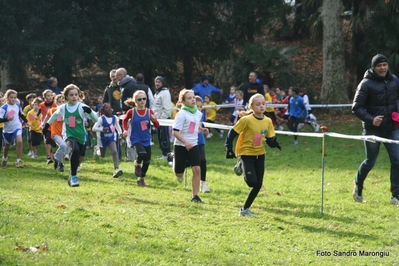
x=161, y=79
x=204, y=77
x=378, y=58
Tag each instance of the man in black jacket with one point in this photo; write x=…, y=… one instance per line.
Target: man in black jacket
x=144, y=87
x=375, y=100
x=128, y=86
x=253, y=87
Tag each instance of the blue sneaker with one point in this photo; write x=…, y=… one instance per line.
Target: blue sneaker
x=73, y=181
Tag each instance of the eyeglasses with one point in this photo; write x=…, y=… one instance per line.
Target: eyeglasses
x=141, y=99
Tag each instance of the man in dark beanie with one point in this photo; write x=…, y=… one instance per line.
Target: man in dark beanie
x=375, y=101
x=163, y=110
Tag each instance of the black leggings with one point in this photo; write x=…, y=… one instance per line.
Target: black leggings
x=202, y=161
x=293, y=123
x=143, y=155
x=254, y=168
x=78, y=150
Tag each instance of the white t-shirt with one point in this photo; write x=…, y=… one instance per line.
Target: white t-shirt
x=15, y=110
x=187, y=123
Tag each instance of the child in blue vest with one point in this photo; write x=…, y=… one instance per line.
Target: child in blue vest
x=139, y=133
x=108, y=131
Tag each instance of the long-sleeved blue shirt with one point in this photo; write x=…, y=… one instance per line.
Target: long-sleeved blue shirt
x=297, y=107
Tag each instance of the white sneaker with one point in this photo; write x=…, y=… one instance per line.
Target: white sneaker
x=221, y=134
x=66, y=158
x=317, y=128
x=245, y=212
x=280, y=128
x=152, y=143
x=117, y=173
x=204, y=188
x=395, y=201
x=209, y=136
x=30, y=153
x=34, y=156
x=300, y=125
x=163, y=157
x=95, y=152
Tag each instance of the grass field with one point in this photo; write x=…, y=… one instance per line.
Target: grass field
x=109, y=221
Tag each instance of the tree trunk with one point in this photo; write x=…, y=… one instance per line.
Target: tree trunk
x=334, y=89
x=5, y=77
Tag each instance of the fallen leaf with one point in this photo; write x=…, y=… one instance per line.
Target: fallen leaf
x=61, y=207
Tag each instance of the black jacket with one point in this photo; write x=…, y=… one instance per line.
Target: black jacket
x=128, y=87
x=376, y=96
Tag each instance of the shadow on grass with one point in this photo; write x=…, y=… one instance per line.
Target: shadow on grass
x=334, y=230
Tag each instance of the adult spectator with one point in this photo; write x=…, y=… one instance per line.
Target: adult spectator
x=144, y=87
x=128, y=86
x=52, y=84
x=203, y=88
x=112, y=93
x=253, y=87
x=375, y=100
x=163, y=110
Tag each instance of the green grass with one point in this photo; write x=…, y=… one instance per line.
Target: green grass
x=109, y=221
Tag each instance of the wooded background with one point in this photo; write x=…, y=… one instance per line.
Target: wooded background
x=183, y=39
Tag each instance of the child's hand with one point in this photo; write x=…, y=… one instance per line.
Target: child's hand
x=205, y=131
x=28, y=124
x=105, y=129
x=124, y=134
x=10, y=118
x=189, y=146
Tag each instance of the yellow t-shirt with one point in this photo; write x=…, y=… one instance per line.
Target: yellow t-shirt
x=34, y=120
x=252, y=133
x=26, y=111
x=210, y=113
x=174, y=112
x=269, y=100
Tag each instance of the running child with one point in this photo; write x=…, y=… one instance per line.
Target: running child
x=56, y=134
x=34, y=118
x=186, y=126
x=253, y=130
x=73, y=131
x=108, y=131
x=29, y=98
x=139, y=135
x=11, y=114
x=201, y=145
x=48, y=97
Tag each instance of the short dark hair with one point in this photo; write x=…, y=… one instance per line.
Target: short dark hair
x=140, y=77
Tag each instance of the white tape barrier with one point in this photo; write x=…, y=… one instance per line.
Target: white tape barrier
x=370, y=138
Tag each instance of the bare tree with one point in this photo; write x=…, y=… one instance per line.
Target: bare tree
x=334, y=83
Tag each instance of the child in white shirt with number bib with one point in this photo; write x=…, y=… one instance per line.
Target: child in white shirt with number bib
x=186, y=126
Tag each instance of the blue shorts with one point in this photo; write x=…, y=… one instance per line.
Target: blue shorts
x=105, y=142
x=9, y=138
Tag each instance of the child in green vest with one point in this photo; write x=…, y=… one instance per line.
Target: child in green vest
x=74, y=131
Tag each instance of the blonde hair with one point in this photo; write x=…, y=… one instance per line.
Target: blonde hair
x=240, y=92
x=71, y=87
x=182, y=97
x=250, y=103
x=131, y=102
x=8, y=93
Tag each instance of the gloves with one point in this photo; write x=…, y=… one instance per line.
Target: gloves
x=230, y=154
x=45, y=129
x=87, y=109
x=272, y=143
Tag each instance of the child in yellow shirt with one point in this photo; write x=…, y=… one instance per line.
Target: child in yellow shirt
x=29, y=99
x=210, y=114
x=35, y=130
